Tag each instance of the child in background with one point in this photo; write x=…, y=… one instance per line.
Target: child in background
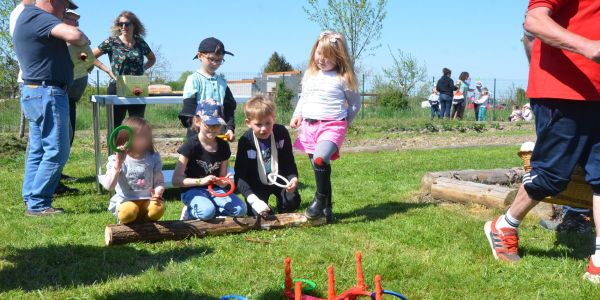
x=516, y=115
x=136, y=176
x=266, y=148
x=527, y=113
x=434, y=102
x=203, y=160
x=458, y=102
x=205, y=84
x=482, y=103
x=328, y=104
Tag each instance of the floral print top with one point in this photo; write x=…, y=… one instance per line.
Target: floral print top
x=124, y=60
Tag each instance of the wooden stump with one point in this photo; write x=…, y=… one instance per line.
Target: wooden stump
x=179, y=230
x=471, y=192
x=494, y=177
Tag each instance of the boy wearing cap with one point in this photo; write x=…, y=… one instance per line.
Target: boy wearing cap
x=205, y=84
x=203, y=160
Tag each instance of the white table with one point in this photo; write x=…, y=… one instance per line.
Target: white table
x=109, y=102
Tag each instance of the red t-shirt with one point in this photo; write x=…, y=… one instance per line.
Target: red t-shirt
x=561, y=74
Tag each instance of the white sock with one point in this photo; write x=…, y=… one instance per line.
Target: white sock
x=508, y=221
x=597, y=253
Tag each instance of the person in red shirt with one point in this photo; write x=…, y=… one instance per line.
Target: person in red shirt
x=564, y=85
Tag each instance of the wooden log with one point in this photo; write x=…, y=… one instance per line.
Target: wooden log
x=179, y=230
x=494, y=177
x=471, y=192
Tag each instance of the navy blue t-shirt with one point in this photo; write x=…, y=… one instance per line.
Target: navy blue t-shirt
x=41, y=56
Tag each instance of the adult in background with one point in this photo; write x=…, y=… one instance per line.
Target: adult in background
x=564, y=88
x=40, y=39
x=445, y=87
x=463, y=86
x=126, y=49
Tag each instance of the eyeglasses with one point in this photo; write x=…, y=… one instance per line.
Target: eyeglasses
x=214, y=60
x=121, y=24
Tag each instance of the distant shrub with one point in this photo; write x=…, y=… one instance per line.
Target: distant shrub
x=392, y=98
x=283, y=97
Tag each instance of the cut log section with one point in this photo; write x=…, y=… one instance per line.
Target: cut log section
x=454, y=190
x=179, y=230
x=506, y=177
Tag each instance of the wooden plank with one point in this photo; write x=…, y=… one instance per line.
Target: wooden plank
x=179, y=230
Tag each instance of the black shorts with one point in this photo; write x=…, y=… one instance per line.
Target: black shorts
x=568, y=134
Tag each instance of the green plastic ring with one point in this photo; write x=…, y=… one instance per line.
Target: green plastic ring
x=307, y=285
x=113, y=135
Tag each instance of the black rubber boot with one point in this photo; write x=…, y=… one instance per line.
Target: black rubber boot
x=317, y=207
x=328, y=211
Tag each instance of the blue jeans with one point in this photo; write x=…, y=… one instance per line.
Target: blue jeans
x=446, y=103
x=203, y=206
x=435, y=111
x=47, y=109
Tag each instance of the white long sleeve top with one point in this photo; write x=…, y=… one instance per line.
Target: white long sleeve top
x=326, y=96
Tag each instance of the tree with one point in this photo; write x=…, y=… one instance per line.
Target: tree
x=160, y=71
x=361, y=22
x=283, y=96
x=9, y=67
x=277, y=63
x=405, y=73
x=179, y=83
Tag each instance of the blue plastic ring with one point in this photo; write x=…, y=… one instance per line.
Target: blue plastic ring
x=234, y=297
x=391, y=293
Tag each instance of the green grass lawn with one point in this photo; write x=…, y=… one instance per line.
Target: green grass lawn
x=426, y=251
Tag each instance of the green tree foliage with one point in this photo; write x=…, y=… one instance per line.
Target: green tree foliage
x=277, y=63
x=521, y=97
x=361, y=22
x=9, y=67
x=178, y=84
x=283, y=97
x=399, y=81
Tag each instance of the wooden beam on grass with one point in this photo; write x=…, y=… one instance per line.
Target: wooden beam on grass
x=455, y=190
x=179, y=230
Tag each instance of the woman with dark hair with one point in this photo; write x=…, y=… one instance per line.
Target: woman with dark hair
x=463, y=86
x=126, y=49
x=445, y=86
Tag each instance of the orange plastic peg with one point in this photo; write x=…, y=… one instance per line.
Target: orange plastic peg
x=330, y=284
x=288, y=275
x=360, y=277
x=298, y=291
x=378, y=288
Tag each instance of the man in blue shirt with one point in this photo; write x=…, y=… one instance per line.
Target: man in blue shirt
x=40, y=40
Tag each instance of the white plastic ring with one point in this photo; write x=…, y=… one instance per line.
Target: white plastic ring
x=273, y=177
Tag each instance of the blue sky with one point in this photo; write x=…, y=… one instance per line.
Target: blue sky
x=482, y=37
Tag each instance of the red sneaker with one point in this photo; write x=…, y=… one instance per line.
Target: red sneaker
x=592, y=273
x=504, y=242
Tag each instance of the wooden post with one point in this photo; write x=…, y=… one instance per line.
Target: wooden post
x=179, y=230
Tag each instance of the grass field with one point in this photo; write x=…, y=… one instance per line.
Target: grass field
x=425, y=250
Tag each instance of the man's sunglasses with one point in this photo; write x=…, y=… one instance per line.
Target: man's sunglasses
x=121, y=24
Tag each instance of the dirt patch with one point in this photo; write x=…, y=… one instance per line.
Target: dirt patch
x=12, y=146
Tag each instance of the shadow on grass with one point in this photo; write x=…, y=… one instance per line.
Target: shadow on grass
x=381, y=211
x=575, y=245
x=62, y=266
x=158, y=294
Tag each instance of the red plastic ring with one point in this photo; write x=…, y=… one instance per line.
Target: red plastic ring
x=231, y=189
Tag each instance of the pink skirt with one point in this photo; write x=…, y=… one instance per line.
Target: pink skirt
x=311, y=134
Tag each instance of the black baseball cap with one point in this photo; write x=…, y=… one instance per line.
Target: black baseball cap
x=72, y=5
x=212, y=45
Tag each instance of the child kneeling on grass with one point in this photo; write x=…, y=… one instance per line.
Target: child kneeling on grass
x=136, y=176
x=202, y=161
x=266, y=148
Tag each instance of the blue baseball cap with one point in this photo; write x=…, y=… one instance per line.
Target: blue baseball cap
x=210, y=112
x=212, y=45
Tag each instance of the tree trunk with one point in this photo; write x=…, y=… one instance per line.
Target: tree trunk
x=179, y=230
x=470, y=192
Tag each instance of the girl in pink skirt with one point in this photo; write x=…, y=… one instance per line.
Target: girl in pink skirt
x=328, y=104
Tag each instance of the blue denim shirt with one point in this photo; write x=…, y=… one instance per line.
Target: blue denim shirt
x=205, y=87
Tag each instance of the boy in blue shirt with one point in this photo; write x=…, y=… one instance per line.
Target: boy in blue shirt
x=205, y=84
